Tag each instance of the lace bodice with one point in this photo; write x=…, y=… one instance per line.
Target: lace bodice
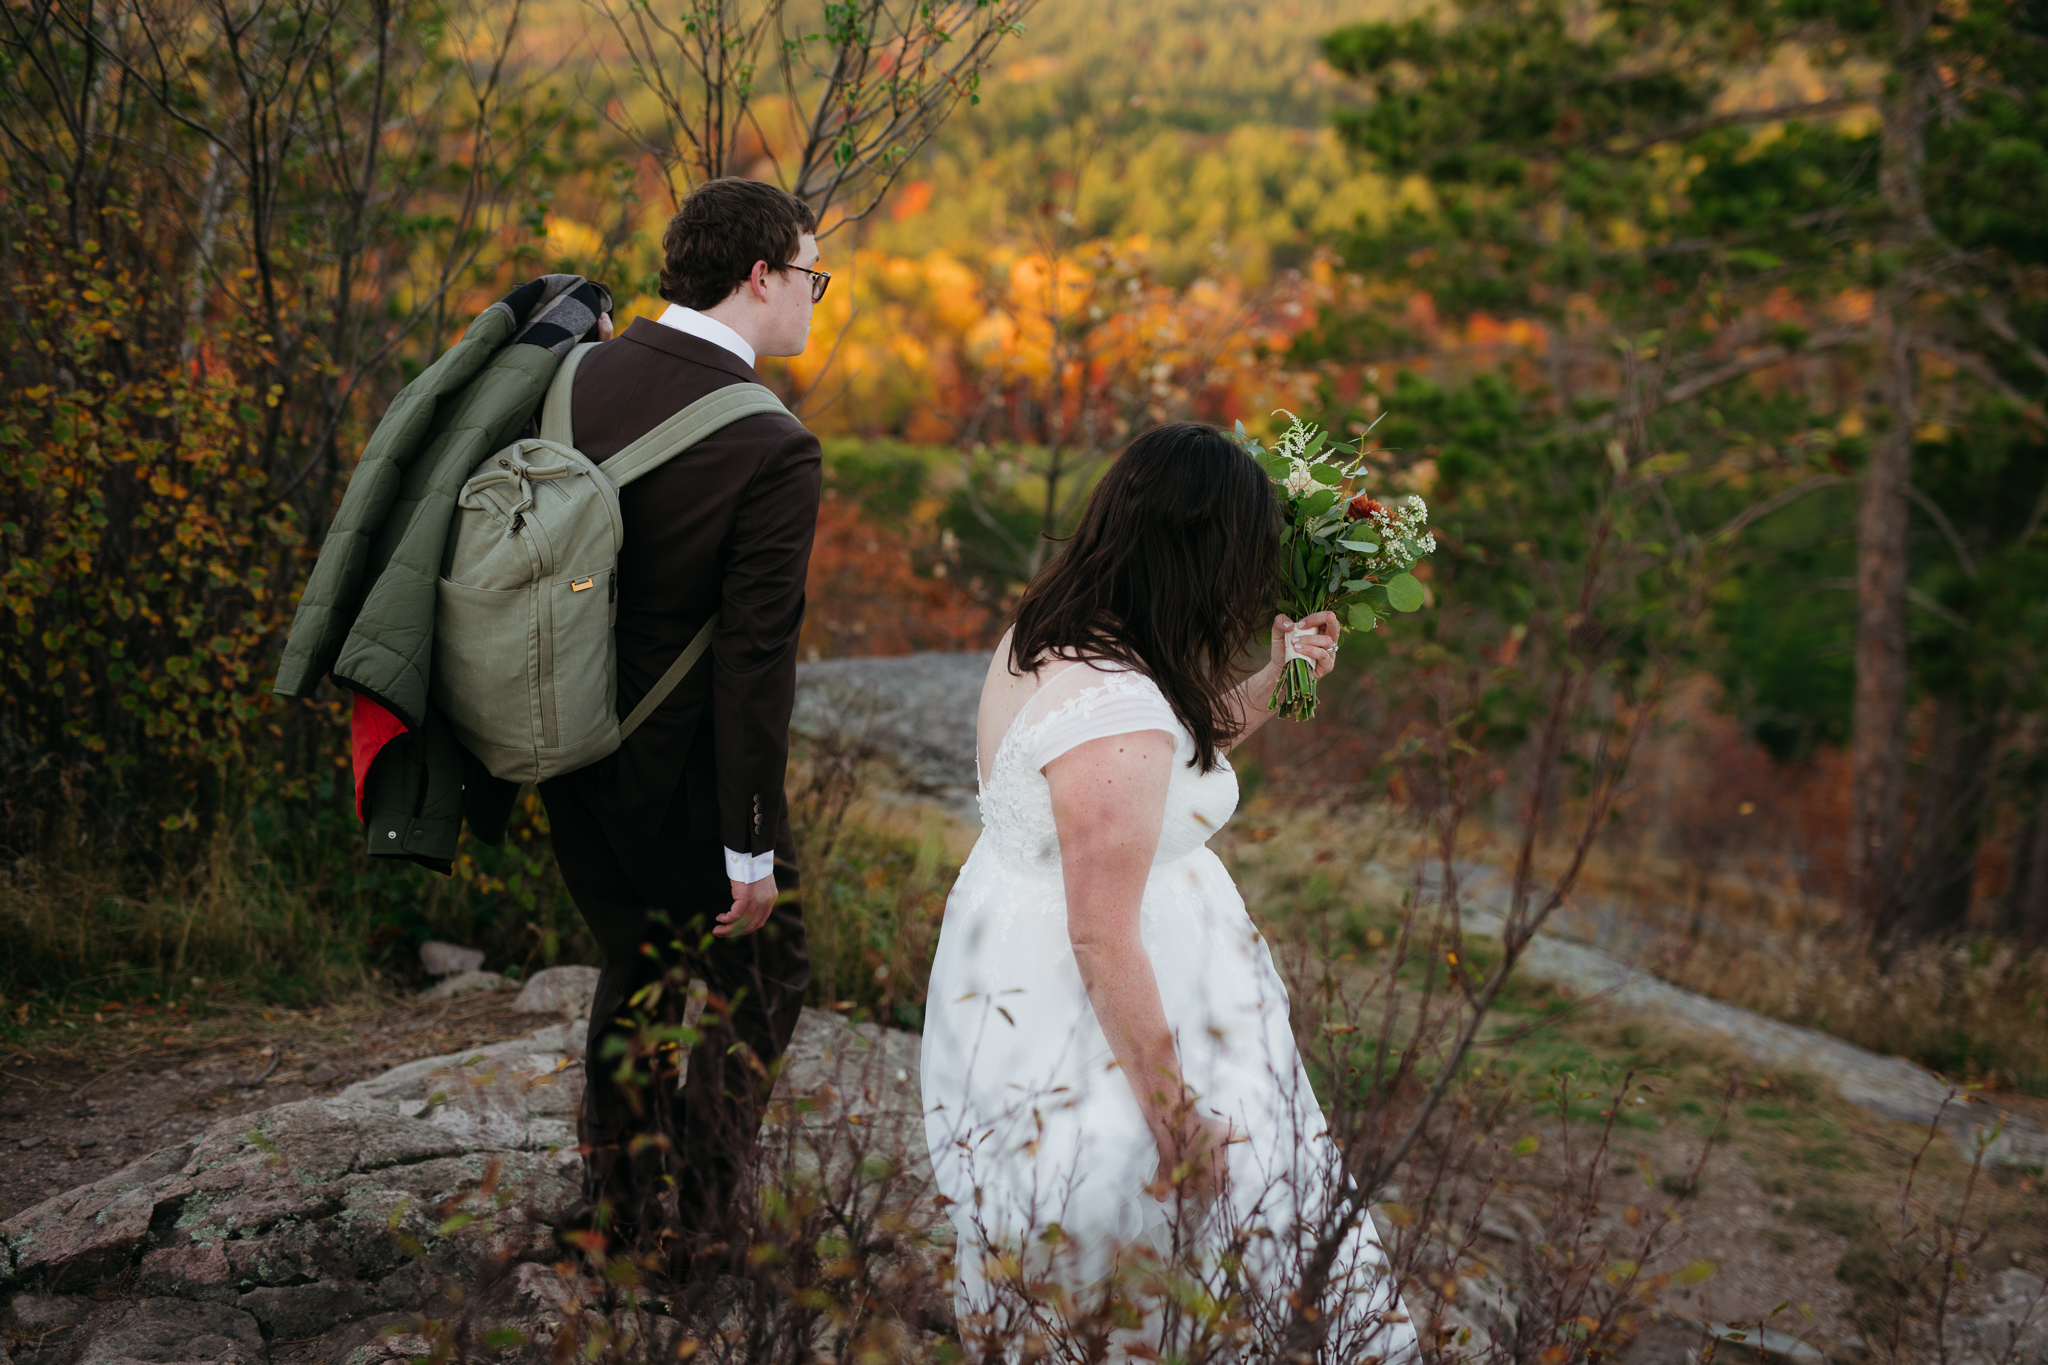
x=1083, y=703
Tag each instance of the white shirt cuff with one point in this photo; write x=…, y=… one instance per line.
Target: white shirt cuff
x=749, y=868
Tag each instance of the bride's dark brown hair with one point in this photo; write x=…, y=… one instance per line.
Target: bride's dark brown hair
x=1170, y=573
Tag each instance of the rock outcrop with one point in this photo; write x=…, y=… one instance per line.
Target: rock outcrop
x=298, y=1231
x=566, y=991
x=918, y=708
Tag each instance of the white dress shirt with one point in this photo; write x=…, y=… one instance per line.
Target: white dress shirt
x=708, y=328
x=739, y=867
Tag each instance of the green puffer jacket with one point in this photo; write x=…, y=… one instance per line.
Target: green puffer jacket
x=367, y=615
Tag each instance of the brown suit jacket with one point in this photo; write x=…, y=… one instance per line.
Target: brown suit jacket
x=726, y=526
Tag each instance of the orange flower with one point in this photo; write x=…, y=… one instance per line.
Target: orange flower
x=1363, y=506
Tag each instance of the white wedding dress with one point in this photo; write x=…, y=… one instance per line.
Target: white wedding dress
x=1028, y=1119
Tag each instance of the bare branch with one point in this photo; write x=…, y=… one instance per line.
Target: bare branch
x=1980, y=369
x=2001, y=326
x=1762, y=358
x=1735, y=117
x=890, y=73
x=1742, y=520
x=1946, y=527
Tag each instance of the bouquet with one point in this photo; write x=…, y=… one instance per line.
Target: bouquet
x=1340, y=550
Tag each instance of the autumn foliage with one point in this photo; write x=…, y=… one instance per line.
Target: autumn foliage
x=879, y=589
x=148, y=573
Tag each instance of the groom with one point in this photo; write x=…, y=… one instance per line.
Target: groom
x=677, y=847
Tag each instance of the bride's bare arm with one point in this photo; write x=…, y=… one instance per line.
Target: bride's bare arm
x=1108, y=803
x=1317, y=640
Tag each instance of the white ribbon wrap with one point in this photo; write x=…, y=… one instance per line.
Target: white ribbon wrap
x=1287, y=640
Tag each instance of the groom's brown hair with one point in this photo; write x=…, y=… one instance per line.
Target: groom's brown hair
x=1170, y=572
x=723, y=227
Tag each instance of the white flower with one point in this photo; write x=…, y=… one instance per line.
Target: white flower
x=1299, y=480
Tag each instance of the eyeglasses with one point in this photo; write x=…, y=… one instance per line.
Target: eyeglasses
x=820, y=281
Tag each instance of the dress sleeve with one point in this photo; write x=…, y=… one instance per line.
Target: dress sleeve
x=1088, y=702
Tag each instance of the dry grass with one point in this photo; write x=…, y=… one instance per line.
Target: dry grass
x=1974, y=1008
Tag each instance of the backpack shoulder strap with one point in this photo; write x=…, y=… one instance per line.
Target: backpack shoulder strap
x=554, y=412
x=671, y=438
x=666, y=684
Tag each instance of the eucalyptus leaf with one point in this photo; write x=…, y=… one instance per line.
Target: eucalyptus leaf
x=1309, y=451
x=1362, y=617
x=1318, y=503
x=1364, y=547
x=1404, y=593
x=1326, y=473
x=1376, y=597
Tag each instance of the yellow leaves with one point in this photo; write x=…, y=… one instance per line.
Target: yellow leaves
x=954, y=291
x=1048, y=287
x=991, y=338
x=1668, y=462
x=569, y=241
x=170, y=636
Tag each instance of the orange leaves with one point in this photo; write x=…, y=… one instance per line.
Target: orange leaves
x=934, y=346
x=912, y=198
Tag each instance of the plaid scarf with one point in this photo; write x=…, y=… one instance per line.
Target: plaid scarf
x=555, y=312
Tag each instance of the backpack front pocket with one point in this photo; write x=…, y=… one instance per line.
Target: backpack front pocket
x=489, y=660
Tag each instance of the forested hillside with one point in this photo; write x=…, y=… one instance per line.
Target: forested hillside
x=1711, y=336
x=1713, y=347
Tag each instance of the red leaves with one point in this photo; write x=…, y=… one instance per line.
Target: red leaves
x=866, y=594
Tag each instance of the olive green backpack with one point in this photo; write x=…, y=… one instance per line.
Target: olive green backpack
x=523, y=658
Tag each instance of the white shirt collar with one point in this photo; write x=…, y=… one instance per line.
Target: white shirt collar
x=693, y=323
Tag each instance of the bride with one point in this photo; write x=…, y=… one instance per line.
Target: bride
x=1112, y=1091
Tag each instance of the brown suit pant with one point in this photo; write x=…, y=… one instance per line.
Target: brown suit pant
x=650, y=901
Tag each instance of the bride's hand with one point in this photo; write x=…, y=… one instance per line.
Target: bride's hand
x=1196, y=1160
x=1315, y=638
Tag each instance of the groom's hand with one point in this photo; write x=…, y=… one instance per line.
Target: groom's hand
x=751, y=904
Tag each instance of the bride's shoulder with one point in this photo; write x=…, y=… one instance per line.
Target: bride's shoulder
x=1090, y=682
x=1083, y=670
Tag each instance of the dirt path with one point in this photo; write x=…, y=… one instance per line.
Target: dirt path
x=73, y=1112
